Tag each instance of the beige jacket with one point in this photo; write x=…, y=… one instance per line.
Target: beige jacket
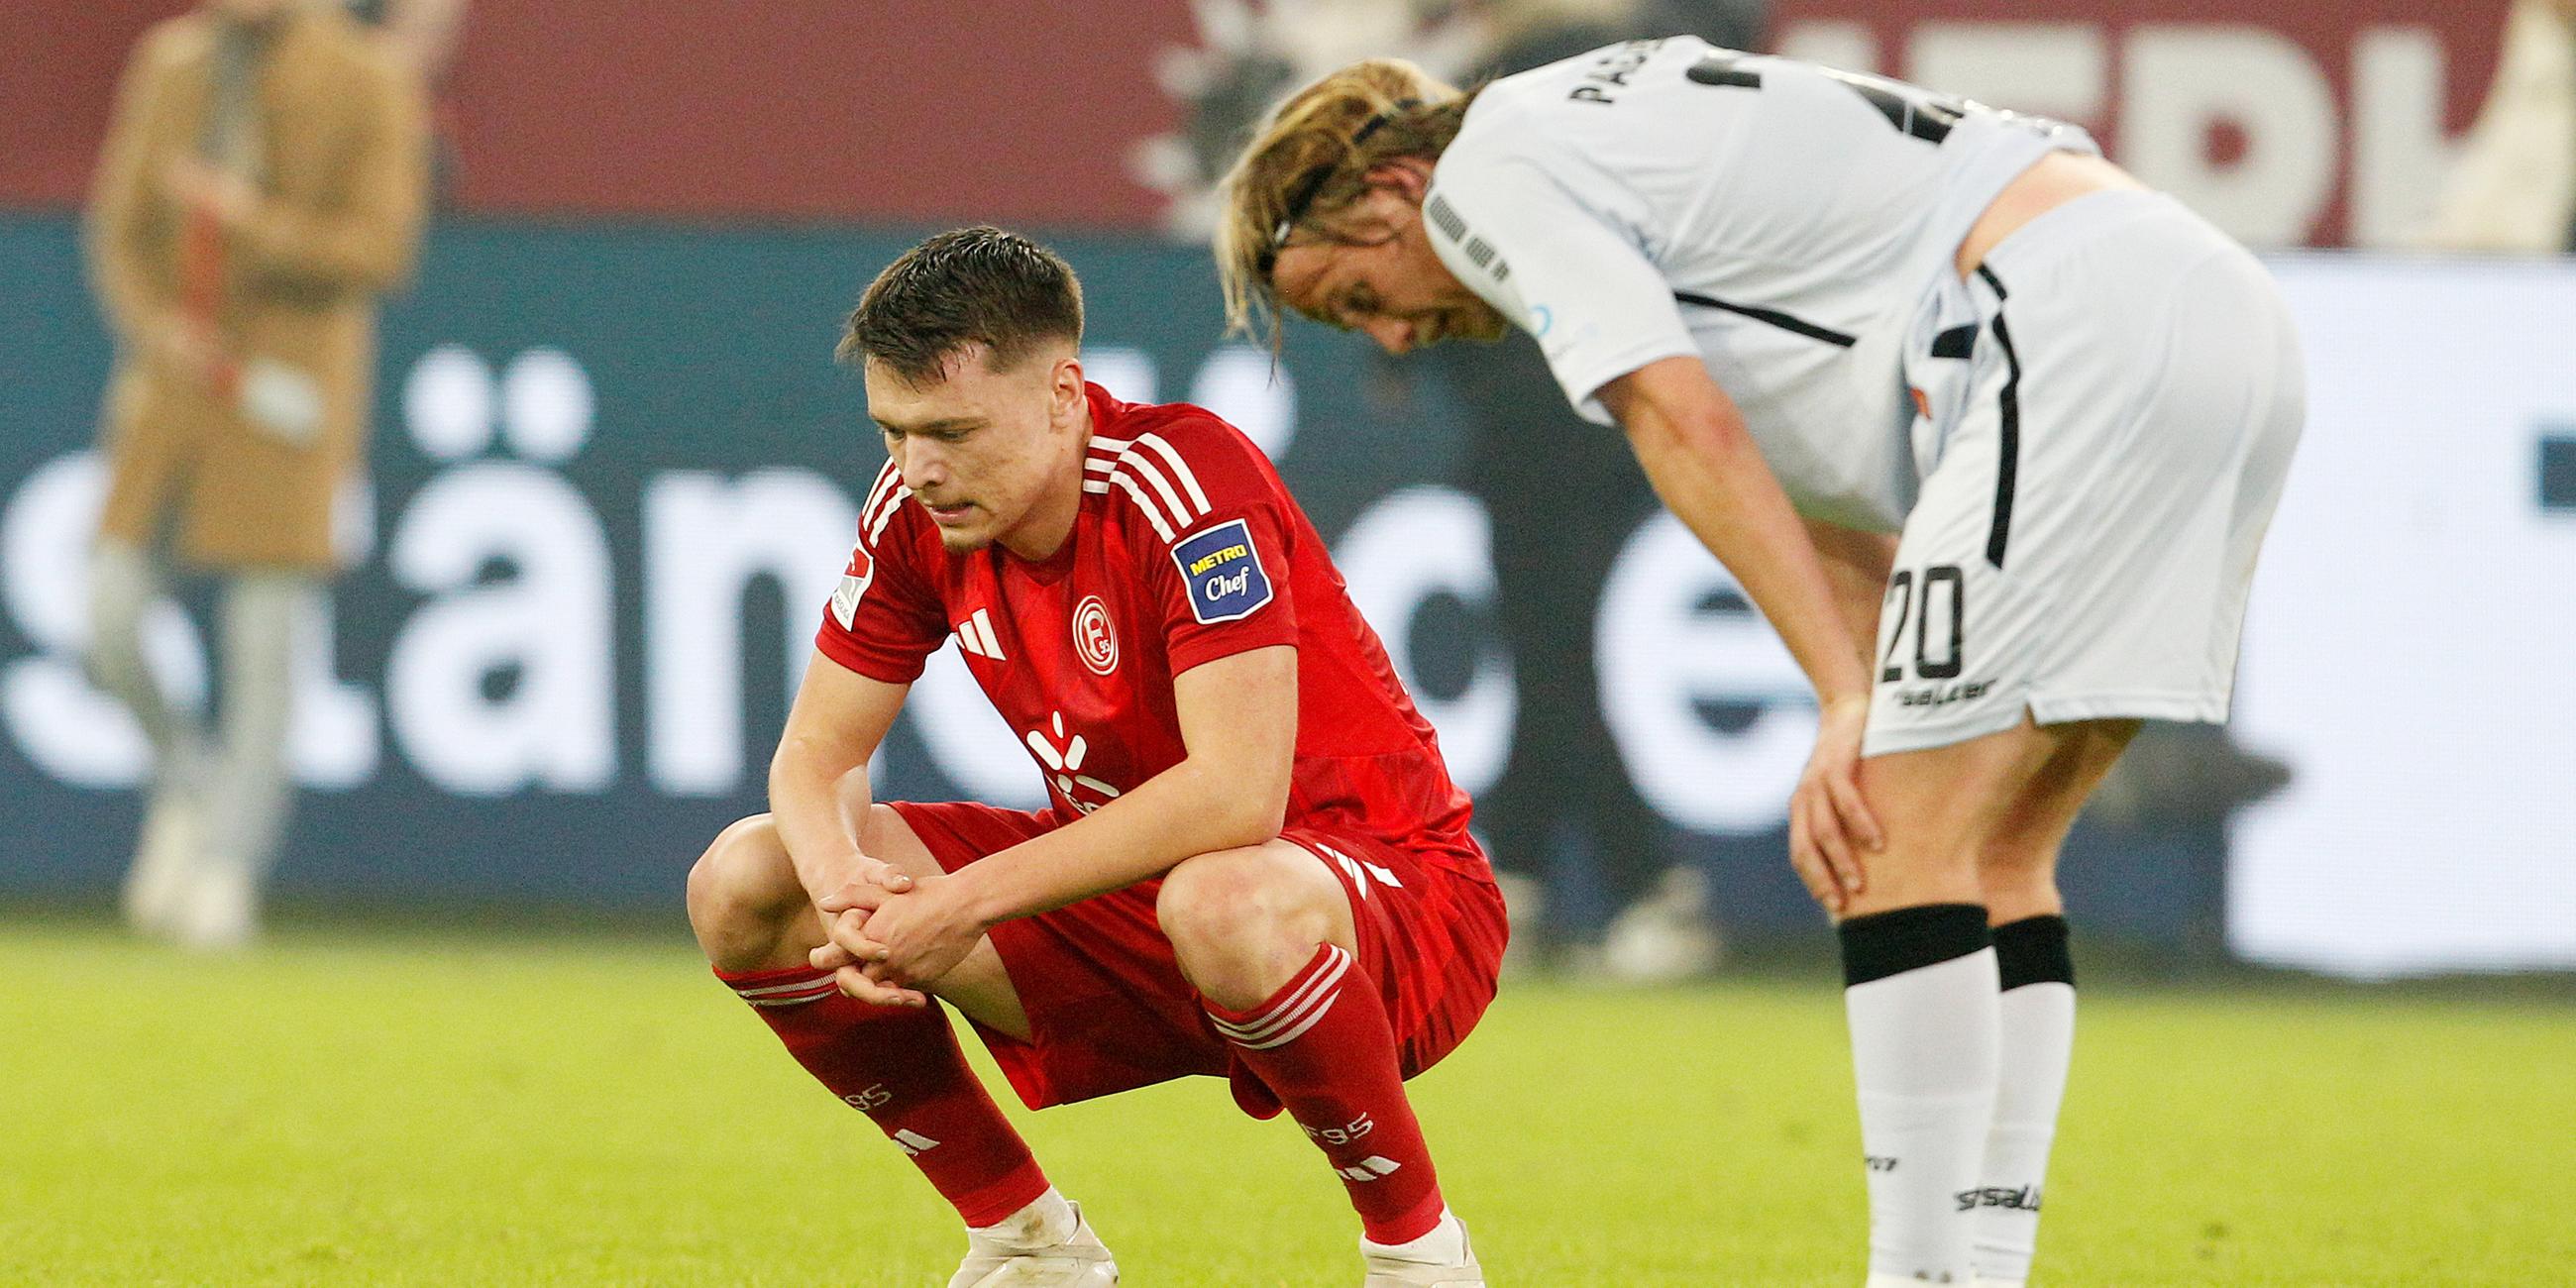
x=343, y=139
x=2513, y=188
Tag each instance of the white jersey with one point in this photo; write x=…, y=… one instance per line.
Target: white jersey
x=1783, y=222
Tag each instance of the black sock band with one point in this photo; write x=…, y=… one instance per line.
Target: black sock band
x=1892, y=943
x=2033, y=951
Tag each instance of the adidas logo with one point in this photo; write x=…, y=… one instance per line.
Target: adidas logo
x=1371, y=1168
x=975, y=635
x=913, y=1143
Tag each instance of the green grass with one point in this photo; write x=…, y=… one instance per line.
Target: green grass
x=487, y=1107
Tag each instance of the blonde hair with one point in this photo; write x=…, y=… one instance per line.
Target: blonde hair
x=1311, y=159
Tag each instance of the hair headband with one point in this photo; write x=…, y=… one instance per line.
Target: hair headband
x=1312, y=182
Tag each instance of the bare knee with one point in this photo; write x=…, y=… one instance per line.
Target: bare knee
x=1945, y=809
x=2017, y=865
x=1243, y=922
x=2018, y=889
x=744, y=900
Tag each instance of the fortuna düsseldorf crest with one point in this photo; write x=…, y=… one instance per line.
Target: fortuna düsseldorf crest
x=1093, y=638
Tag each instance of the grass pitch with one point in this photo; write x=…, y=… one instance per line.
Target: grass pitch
x=381, y=1106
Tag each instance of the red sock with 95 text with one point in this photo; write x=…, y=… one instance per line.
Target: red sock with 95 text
x=1322, y=1044
x=902, y=1068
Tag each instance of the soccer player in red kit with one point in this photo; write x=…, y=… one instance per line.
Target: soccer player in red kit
x=1253, y=864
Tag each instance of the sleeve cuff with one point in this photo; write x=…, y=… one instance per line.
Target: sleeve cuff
x=1212, y=648
x=1583, y=387
x=842, y=649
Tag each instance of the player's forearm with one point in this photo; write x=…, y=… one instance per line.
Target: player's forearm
x=1186, y=811
x=817, y=804
x=1712, y=476
x=1856, y=564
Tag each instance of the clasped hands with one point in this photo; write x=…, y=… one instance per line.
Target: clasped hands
x=891, y=935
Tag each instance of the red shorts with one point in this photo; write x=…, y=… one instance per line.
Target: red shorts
x=1109, y=1011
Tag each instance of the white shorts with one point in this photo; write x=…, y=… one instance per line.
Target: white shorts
x=2109, y=407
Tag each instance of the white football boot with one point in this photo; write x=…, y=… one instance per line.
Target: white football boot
x=1044, y=1245
x=1442, y=1257
x=217, y=909
x=165, y=861
x=1667, y=936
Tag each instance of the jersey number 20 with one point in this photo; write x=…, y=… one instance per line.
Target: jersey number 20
x=1942, y=582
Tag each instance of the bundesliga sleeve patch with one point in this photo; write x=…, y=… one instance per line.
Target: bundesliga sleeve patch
x=854, y=583
x=1223, y=573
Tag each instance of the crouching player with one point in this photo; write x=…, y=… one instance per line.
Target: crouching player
x=1253, y=864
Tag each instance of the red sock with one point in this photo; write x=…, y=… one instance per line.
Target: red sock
x=901, y=1067
x=1328, y=1053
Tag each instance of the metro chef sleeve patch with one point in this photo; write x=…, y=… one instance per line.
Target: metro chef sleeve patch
x=1223, y=573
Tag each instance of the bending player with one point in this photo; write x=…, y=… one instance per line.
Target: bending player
x=1828, y=310
x=1253, y=864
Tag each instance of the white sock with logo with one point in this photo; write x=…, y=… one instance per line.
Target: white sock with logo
x=1924, y=1017
x=1047, y=1221
x=2038, y=1014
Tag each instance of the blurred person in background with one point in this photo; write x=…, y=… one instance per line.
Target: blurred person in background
x=260, y=189
x=1809, y=298
x=2513, y=189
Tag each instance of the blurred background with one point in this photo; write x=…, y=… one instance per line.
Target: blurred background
x=613, y=473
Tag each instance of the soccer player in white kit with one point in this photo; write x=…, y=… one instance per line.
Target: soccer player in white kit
x=1988, y=431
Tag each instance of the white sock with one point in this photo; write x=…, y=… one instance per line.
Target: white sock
x=1924, y=1056
x=1444, y=1245
x=2038, y=1030
x=1047, y=1221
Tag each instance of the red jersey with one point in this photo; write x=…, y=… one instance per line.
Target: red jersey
x=1188, y=548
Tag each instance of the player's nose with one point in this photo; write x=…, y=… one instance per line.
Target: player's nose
x=1392, y=334
x=920, y=467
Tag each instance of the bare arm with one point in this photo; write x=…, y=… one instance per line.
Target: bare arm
x=1857, y=563
x=1706, y=467
x=1710, y=473
x=1238, y=719
x=818, y=781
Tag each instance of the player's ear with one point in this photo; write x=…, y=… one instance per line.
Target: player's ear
x=1407, y=177
x=1066, y=391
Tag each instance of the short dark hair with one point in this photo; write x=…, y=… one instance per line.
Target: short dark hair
x=962, y=287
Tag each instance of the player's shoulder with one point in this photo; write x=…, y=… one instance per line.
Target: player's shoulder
x=1175, y=464
x=1598, y=91
x=1512, y=136
x=175, y=42
x=886, y=524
